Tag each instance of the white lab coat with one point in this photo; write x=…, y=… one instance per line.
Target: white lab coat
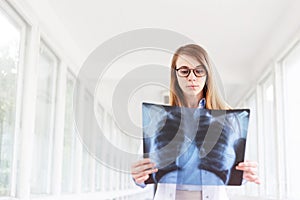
x=168, y=192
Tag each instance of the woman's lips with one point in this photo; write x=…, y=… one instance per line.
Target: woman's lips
x=193, y=86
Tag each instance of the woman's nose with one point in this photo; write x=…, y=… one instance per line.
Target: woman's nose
x=191, y=76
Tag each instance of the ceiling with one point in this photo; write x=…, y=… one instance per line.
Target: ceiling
x=242, y=36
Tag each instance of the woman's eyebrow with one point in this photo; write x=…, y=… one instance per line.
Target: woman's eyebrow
x=183, y=66
x=198, y=66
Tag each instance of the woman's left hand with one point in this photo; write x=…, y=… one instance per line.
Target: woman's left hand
x=250, y=169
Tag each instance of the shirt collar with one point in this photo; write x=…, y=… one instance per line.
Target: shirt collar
x=202, y=103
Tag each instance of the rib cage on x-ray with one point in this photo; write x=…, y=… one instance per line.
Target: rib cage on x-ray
x=219, y=136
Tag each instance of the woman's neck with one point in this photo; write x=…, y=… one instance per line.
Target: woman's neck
x=193, y=101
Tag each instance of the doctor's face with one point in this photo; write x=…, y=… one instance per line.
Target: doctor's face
x=191, y=76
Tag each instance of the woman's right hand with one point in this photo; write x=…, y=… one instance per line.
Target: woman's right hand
x=140, y=170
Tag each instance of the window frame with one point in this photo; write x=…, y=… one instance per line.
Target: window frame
x=46, y=50
x=16, y=20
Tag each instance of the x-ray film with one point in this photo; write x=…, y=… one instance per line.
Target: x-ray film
x=194, y=146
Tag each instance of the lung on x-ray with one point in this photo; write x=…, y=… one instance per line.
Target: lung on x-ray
x=194, y=146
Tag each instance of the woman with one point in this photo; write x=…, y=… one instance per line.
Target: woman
x=192, y=86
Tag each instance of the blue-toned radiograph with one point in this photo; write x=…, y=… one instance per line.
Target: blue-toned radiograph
x=194, y=146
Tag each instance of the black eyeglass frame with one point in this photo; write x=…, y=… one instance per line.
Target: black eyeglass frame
x=186, y=68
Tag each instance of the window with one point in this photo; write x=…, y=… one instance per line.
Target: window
x=269, y=133
x=99, y=171
x=98, y=176
x=10, y=36
x=88, y=128
x=69, y=139
x=44, y=121
x=291, y=82
x=252, y=140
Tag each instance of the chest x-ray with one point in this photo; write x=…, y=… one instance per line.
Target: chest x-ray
x=194, y=146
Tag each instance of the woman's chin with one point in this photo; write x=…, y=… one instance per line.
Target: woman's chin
x=192, y=93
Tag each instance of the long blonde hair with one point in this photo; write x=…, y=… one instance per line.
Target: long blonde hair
x=210, y=91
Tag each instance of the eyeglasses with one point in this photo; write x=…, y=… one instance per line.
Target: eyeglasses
x=184, y=71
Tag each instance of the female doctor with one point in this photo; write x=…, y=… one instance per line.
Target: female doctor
x=192, y=86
